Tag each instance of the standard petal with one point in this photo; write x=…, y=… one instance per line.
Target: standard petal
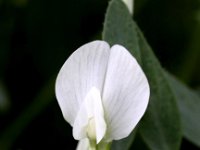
x=125, y=95
x=90, y=122
x=84, y=69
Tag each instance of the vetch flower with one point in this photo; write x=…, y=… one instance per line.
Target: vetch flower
x=102, y=93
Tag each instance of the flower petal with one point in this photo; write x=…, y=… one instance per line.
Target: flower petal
x=90, y=122
x=84, y=69
x=83, y=144
x=125, y=95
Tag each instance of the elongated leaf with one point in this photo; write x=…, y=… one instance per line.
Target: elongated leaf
x=161, y=127
x=189, y=106
x=198, y=91
x=119, y=28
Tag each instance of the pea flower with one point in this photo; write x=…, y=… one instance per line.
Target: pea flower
x=102, y=93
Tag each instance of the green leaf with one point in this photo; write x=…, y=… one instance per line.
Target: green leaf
x=161, y=126
x=189, y=106
x=119, y=28
x=198, y=91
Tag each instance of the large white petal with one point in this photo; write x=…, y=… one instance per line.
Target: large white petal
x=125, y=95
x=84, y=69
x=90, y=122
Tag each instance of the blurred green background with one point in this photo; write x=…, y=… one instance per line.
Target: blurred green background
x=37, y=36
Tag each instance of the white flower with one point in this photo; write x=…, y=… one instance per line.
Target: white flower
x=129, y=4
x=102, y=92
